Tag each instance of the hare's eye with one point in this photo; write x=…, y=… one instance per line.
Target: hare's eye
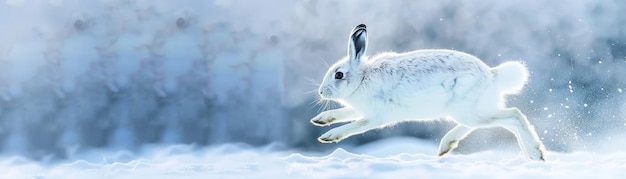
x=338, y=75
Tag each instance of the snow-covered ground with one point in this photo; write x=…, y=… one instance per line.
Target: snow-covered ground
x=400, y=157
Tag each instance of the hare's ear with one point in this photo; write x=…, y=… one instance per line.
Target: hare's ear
x=358, y=44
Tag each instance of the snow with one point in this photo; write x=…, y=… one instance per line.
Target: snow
x=86, y=73
x=403, y=157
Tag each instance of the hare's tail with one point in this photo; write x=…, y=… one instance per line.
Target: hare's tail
x=510, y=77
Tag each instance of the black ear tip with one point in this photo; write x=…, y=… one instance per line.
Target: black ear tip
x=361, y=26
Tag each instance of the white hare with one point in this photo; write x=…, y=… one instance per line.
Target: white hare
x=421, y=85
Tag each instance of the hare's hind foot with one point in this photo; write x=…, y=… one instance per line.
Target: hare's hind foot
x=451, y=140
x=515, y=121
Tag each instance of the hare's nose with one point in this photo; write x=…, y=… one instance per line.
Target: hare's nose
x=361, y=26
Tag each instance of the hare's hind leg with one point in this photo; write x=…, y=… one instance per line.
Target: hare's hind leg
x=334, y=116
x=513, y=120
x=357, y=127
x=451, y=140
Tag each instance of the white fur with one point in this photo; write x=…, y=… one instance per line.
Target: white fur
x=422, y=85
x=511, y=76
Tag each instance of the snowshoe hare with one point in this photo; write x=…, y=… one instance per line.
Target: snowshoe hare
x=388, y=88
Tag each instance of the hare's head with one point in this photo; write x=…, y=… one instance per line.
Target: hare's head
x=345, y=76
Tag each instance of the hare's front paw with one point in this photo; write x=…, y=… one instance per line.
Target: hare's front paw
x=331, y=136
x=322, y=119
x=339, y=133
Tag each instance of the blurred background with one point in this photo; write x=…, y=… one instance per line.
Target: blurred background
x=122, y=74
